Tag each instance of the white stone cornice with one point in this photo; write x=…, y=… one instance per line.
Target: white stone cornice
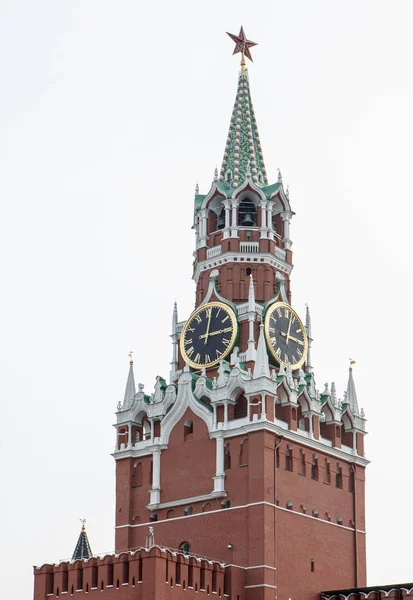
x=185, y=501
x=239, y=257
x=294, y=436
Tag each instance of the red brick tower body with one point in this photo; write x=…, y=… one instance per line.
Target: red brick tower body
x=242, y=462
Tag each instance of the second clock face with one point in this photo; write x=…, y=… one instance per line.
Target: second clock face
x=208, y=335
x=285, y=335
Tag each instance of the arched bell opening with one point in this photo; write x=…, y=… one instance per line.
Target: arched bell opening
x=247, y=213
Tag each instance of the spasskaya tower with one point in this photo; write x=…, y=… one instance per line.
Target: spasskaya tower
x=235, y=477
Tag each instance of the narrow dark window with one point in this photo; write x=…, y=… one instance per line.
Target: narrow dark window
x=302, y=470
x=339, y=477
x=243, y=454
x=314, y=468
x=248, y=271
x=327, y=472
x=202, y=576
x=178, y=572
x=65, y=581
x=185, y=547
x=312, y=565
x=153, y=517
x=289, y=459
x=227, y=457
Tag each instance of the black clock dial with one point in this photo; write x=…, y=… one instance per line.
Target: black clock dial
x=285, y=335
x=208, y=335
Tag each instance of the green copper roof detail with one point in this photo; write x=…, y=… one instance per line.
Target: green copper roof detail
x=199, y=198
x=269, y=190
x=243, y=151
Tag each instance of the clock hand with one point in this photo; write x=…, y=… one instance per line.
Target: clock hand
x=209, y=322
x=293, y=338
x=289, y=328
x=201, y=337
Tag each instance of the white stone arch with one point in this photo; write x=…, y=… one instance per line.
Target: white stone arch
x=185, y=399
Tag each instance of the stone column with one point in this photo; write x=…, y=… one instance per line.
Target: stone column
x=156, y=477
x=219, y=468
x=234, y=224
x=227, y=228
x=286, y=216
x=263, y=228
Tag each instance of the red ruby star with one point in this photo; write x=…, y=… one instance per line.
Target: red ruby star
x=241, y=43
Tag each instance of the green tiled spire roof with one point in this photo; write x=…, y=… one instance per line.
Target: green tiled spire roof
x=243, y=151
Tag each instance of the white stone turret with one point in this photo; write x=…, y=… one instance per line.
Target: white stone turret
x=174, y=337
x=130, y=389
x=251, y=352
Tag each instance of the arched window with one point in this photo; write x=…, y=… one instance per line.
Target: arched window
x=241, y=407
x=225, y=504
x=185, y=547
x=243, y=453
x=314, y=468
x=289, y=459
x=188, y=511
x=302, y=470
x=227, y=457
x=247, y=213
x=153, y=517
x=137, y=475
x=339, y=476
x=228, y=176
x=188, y=430
x=206, y=507
x=248, y=271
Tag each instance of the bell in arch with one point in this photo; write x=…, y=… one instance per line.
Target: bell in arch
x=221, y=220
x=248, y=220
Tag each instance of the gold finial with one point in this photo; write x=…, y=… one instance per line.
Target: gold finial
x=130, y=357
x=83, y=521
x=352, y=362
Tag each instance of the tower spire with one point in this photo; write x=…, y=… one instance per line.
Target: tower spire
x=243, y=144
x=351, y=391
x=130, y=389
x=82, y=550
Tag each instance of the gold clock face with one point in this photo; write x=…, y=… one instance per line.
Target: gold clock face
x=285, y=335
x=208, y=335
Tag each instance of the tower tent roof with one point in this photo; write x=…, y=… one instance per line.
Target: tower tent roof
x=83, y=550
x=243, y=149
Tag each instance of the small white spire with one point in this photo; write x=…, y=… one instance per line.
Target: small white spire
x=174, y=337
x=280, y=177
x=281, y=370
x=174, y=318
x=196, y=189
x=251, y=321
x=309, y=366
x=301, y=381
x=261, y=367
x=251, y=295
x=130, y=389
x=216, y=174
x=351, y=392
x=334, y=394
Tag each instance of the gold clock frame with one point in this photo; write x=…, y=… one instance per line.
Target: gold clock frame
x=234, y=334
x=268, y=315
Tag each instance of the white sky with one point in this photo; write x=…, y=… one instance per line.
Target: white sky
x=110, y=113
